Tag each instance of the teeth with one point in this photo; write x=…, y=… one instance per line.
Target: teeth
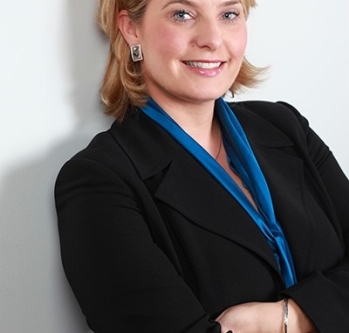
x=205, y=65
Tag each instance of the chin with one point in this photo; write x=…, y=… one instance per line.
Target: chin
x=203, y=99
x=208, y=95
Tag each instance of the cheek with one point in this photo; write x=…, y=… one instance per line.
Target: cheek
x=244, y=40
x=164, y=43
x=238, y=44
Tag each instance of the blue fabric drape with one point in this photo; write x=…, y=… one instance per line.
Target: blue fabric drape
x=244, y=163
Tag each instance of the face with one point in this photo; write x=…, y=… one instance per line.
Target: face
x=193, y=49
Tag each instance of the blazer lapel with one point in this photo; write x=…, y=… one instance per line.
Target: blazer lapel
x=191, y=190
x=284, y=173
x=178, y=180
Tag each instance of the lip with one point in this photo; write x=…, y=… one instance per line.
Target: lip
x=208, y=68
x=204, y=64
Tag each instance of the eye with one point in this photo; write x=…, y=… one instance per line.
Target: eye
x=182, y=15
x=230, y=16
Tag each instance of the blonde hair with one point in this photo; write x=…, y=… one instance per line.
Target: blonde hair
x=123, y=84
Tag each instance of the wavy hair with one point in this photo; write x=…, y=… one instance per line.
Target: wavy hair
x=123, y=85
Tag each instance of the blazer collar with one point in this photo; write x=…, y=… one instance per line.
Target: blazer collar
x=151, y=148
x=258, y=130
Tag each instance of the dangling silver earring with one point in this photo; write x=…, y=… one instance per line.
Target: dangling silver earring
x=136, y=53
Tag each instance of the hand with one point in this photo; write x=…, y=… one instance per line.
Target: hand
x=253, y=318
x=265, y=317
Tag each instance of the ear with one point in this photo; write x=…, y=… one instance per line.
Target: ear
x=128, y=28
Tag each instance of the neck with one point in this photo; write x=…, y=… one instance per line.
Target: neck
x=196, y=119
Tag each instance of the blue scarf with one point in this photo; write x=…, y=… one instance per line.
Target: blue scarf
x=240, y=155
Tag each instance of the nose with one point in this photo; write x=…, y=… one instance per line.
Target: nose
x=208, y=34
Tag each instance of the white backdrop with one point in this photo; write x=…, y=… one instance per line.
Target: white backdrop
x=51, y=61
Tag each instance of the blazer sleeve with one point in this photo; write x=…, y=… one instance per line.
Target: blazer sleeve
x=121, y=279
x=324, y=296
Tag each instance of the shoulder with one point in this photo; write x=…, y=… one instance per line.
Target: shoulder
x=129, y=149
x=273, y=112
x=103, y=155
x=108, y=147
x=103, y=149
x=280, y=115
x=268, y=123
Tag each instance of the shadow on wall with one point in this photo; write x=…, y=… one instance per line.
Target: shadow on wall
x=87, y=58
x=36, y=294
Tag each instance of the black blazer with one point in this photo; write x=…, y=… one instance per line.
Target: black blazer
x=152, y=243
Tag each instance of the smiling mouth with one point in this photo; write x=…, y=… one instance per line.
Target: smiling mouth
x=203, y=65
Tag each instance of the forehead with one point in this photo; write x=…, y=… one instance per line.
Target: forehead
x=246, y=4
x=199, y=2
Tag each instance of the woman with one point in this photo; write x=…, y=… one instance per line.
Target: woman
x=191, y=214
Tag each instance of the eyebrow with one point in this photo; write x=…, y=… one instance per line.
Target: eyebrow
x=183, y=2
x=193, y=4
